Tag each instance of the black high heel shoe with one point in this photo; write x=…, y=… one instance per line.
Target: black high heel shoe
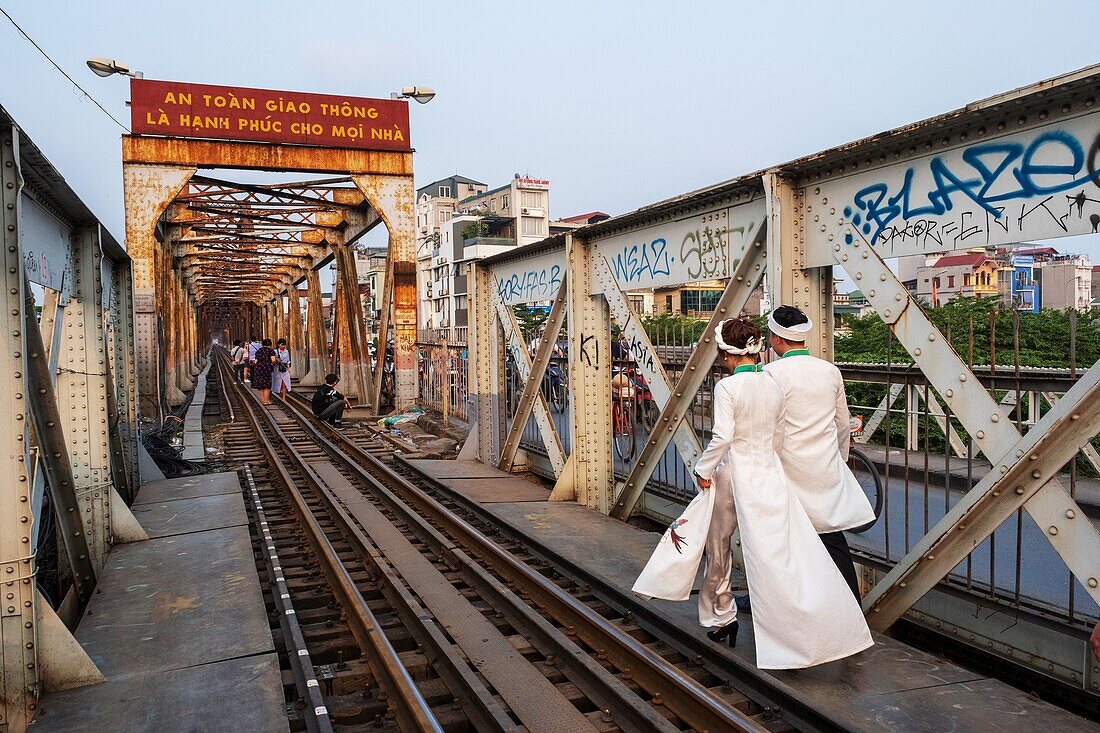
x=726, y=633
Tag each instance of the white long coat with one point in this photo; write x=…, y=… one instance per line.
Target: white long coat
x=803, y=612
x=817, y=436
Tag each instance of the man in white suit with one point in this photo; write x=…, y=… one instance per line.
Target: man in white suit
x=817, y=435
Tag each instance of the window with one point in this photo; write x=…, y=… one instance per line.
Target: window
x=935, y=282
x=637, y=303
x=531, y=199
x=492, y=204
x=950, y=281
x=532, y=226
x=967, y=280
x=444, y=216
x=504, y=202
x=445, y=191
x=699, y=300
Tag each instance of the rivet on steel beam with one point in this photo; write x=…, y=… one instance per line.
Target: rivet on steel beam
x=980, y=435
x=949, y=393
x=1092, y=582
x=962, y=377
x=916, y=352
x=1053, y=530
x=1070, y=514
x=1019, y=489
x=1033, y=457
x=995, y=417
x=1075, y=416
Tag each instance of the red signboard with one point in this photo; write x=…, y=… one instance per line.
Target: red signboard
x=177, y=109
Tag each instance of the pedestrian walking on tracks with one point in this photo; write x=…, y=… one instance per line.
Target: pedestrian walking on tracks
x=254, y=345
x=262, y=369
x=280, y=378
x=239, y=355
x=327, y=403
x=803, y=615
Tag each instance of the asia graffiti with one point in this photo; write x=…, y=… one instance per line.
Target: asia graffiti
x=641, y=354
x=535, y=284
x=991, y=175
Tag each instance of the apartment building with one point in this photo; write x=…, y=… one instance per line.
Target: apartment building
x=436, y=204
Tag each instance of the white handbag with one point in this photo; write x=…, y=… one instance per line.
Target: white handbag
x=670, y=572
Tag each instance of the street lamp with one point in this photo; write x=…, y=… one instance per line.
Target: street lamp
x=107, y=67
x=1072, y=301
x=423, y=95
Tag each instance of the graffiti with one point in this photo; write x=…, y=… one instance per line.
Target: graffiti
x=583, y=354
x=38, y=266
x=705, y=252
x=642, y=355
x=990, y=175
x=639, y=260
x=536, y=284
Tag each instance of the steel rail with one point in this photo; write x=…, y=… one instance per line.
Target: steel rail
x=679, y=693
x=409, y=706
x=477, y=701
x=768, y=691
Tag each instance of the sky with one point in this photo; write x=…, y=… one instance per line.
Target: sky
x=618, y=104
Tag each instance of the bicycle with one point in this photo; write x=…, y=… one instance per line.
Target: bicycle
x=624, y=416
x=554, y=388
x=867, y=476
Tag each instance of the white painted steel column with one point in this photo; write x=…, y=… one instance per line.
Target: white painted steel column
x=590, y=380
x=486, y=373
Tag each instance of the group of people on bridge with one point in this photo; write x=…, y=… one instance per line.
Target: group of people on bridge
x=267, y=370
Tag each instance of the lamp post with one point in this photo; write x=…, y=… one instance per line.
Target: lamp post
x=1071, y=300
x=108, y=67
x=423, y=95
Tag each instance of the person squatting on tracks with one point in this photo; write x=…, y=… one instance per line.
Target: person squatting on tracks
x=327, y=403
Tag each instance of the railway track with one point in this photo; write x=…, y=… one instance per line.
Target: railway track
x=400, y=606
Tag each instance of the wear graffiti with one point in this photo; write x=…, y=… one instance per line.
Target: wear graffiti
x=636, y=261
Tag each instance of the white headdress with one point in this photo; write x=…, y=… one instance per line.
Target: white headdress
x=753, y=346
x=796, y=332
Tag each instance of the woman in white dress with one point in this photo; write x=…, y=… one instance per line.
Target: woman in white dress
x=803, y=612
x=280, y=377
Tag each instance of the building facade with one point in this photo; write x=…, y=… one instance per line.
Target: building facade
x=966, y=275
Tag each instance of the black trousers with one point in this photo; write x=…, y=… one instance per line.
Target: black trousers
x=838, y=550
x=333, y=412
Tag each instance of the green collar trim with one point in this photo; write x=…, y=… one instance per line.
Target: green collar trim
x=797, y=352
x=747, y=368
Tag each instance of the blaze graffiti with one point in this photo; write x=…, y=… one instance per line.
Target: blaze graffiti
x=993, y=176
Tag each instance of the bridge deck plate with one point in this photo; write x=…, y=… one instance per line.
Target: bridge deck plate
x=891, y=687
x=175, y=617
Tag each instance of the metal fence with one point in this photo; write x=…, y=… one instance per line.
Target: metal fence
x=443, y=374
x=924, y=456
